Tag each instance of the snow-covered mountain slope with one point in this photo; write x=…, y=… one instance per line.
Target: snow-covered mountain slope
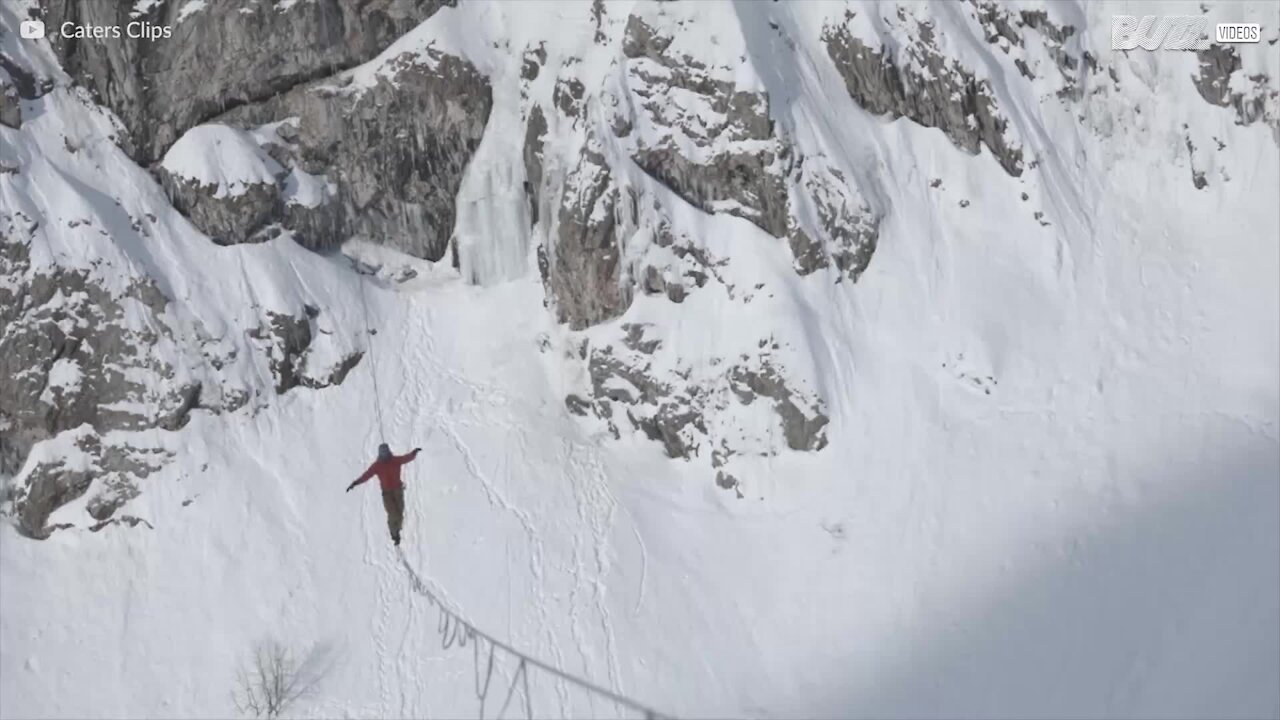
x=768, y=359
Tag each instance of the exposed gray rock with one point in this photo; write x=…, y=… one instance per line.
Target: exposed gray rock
x=692, y=267
x=727, y=481
x=663, y=413
x=532, y=63
x=636, y=386
x=1002, y=23
x=10, y=107
x=738, y=163
x=286, y=342
x=395, y=152
x=48, y=487
x=288, y=338
x=220, y=57
x=1197, y=176
x=72, y=361
x=129, y=520
x=190, y=400
x=668, y=426
x=635, y=339
x=17, y=84
x=997, y=22
x=80, y=362
x=848, y=230
x=597, y=16
x=675, y=285
x=745, y=180
x=114, y=468
x=807, y=252
x=804, y=428
x=535, y=131
x=1217, y=65
x=948, y=97
x=115, y=492
x=576, y=404
x=1039, y=20
x=226, y=220
x=755, y=193
x=334, y=376
x=66, y=319
x=568, y=96
x=584, y=264
x=676, y=410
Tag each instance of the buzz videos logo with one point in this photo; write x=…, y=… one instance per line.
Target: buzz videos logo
x=1176, y=32
x=31, y=29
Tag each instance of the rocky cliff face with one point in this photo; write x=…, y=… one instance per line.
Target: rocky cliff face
x=1253, y=97
x=668, y=128
x=73, y=356
x=584, y=273
x=383, y=160
x=219, y=56
x=927, y=87
x=710, y=141
x=662, y=165
x=92, y=368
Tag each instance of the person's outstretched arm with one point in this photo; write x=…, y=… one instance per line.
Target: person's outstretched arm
x=407, y=457
x=367, y=474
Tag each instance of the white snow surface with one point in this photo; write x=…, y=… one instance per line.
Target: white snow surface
x=189, y=8
x=303, y=188
x=223, y=156
x=1052, y=487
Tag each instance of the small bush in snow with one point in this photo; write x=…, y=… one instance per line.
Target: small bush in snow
x=271, y=681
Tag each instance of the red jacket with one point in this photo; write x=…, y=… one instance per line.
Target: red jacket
x=388, y=471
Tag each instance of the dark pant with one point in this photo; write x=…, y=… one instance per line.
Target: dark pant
x=393, y=501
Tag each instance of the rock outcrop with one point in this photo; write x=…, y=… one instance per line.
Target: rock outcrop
x=846, y=231
x=333, y=119
x=934, y=91
x=583, y=267
x=702, y=136
x=219, y=56
x=698, y=128
x=111, y=470
x=93, y=369
x=223, y=182
x=381, y=157
x=1252, y=100
x=286, y=342
x=691, y=417
x=77, y=360
x=70, y=353
x=10, y=109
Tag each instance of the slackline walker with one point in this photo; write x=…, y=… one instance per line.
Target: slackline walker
x=387, y=465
